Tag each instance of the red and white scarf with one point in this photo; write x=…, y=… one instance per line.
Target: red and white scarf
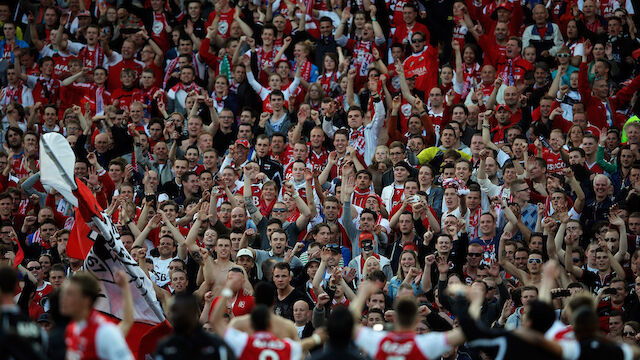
x=327, y=80
x=173, y=64
x=186, y=88
x=12, y=93
x=356, y=139
x=305, y=73
x=91, y=58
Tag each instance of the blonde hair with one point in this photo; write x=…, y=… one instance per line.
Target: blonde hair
x=370, y=259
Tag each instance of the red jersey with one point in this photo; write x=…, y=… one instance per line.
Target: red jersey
x=91, y=58
x=554, y=161
x=256, y=192
x=35, y=308
x=382, y=345
x=61, y=66
x=82, y=339
x=512, y=70
x=159, y=33
x=425, y=66
x=45, y=90
x=285, y=157
x=114, y=72
x=72, y=95
x=243, y=304
x=398, y=193
x=127, y=97
x=224, y=24
x=403, y=34
x=318, y=160
x=359, y=197
x=261, y=345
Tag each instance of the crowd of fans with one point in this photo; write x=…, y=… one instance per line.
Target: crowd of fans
x=325, y=145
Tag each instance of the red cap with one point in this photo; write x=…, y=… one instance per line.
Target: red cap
x=502, y=106
x=366, y=235
x=505, y=5
x=84, y=13
x=636, y=54
x=243, y=142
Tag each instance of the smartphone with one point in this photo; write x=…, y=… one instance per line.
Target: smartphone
x=610, y=291
x=561, y=293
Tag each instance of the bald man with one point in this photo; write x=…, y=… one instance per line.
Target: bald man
x=301, y=319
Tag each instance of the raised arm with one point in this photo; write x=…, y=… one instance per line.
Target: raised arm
x=406, y=92
x=505, y=263
x=616, y=220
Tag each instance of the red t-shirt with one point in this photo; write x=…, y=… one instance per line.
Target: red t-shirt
x=425, y=65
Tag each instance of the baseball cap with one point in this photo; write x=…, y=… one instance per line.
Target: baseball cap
x=636, y=54
x=244, y=252
x=84, y=13
x=505, y=5
x=311, y=261
x=243, y=142
x=333, y=248
x=366, y=240
x=502, y=106
x=44, y=317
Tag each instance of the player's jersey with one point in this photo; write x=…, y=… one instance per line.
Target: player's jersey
x=261, y=346
x=382, y=345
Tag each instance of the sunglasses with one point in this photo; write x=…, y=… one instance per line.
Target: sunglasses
x=562, y=55
x=628, y=333
x=34, y=268
x=537, y=261
x=611, y=239
x=278, y=210
x=575, y=260
x=417, y=40
x=474, y=254
x=489, y=288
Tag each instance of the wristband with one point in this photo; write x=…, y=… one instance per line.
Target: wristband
x=226, y=292
x=373, y=19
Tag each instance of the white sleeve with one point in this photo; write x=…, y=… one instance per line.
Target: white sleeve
x=433, y=344
x=112, y=60
x=627, y=351
x=570, y=349
x=573, y=214
x=31, y=81
x=296, y=349
x=291, y=90
x=74, y=47
x=237, y=340
x=46, y=51
x=502, y=157
x=110, y=344
x=369, y=340
x=378, y=119
x=27, y=97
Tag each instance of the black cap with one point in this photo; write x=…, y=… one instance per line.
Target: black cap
x=403, y=164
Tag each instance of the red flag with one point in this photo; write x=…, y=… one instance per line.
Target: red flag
x=79, y=243
x=87, y=203
x=19, y=255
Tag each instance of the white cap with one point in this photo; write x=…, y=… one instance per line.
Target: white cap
x=243, y=252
